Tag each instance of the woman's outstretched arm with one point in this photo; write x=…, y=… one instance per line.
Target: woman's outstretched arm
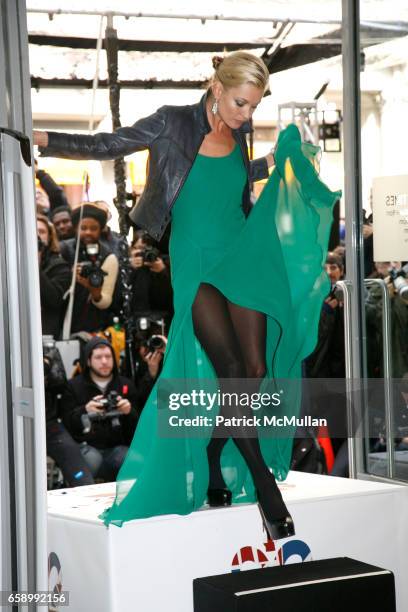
x=104, y=145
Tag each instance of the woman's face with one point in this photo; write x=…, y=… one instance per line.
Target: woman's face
x=89, y=231
x=42, y=231
x=236, y=105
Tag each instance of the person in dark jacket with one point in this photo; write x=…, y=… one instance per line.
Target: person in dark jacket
x=91, y=310
x=327, y=363
x=60, y=445
x=55, y=278
x=104, y=440
x=173, y=136
x=150, y=279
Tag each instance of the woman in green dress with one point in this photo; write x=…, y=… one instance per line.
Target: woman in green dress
x=238, y=322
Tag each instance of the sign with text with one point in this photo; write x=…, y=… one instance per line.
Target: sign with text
x=390, y=218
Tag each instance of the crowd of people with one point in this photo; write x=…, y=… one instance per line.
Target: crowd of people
x=327, y=397
x=92, y=416
x=92, y=411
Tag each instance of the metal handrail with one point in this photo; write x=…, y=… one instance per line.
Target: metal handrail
x=346, y=287
x=387, y=360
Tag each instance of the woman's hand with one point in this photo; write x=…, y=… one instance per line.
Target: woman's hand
x=40, y=138
x=270, y=157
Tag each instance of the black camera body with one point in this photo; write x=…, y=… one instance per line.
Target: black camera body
x=110, y=412
x=149, y=254
x=54, y=372
x=145, y=328
x=154, y=343
x=110, y=401
x=91, y=269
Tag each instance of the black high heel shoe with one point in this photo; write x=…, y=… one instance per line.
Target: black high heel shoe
x=218, y=498
x=279, y=528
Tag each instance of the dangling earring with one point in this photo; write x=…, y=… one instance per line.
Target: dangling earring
x=214, y=107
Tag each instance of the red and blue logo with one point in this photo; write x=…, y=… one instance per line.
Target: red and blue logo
x=250, y=557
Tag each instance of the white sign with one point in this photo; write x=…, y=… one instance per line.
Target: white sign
x=390, y=218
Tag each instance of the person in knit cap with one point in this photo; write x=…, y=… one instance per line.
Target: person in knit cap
x=96, y=269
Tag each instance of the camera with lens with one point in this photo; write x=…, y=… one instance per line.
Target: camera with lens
x=110, y=412
x=154, y=343
x=399, y=281
x=54, y=370
x=110, y=401
x=149, y=254
x=91, y=269
x=151, y=341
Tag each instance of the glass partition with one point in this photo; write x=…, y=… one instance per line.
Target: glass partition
x=384, y=130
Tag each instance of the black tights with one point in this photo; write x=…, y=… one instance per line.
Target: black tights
x=233, y=338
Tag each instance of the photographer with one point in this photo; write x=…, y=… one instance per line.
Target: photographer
x=394, y=277
x=55, y=278
x=150, y=279
x=60, y=445
x=96, y=270
x=327, y=362
x=149, y=359
x=100, y=410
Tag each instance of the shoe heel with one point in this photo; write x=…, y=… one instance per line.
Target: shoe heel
x=219, y=498
x=277, y=529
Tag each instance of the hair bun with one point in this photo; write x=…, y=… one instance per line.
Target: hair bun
x=216, y=61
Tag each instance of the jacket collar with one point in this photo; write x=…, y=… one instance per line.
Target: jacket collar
x=203, y=119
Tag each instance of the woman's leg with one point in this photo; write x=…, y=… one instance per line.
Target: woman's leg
x=234, y=340
x=250, y=329
x=214, y=330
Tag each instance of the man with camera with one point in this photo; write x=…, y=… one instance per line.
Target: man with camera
x=327, y=363
x=99, y=409
x=96, y=270
x=150, y=279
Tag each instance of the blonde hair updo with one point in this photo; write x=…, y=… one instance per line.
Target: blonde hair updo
x=239, y=68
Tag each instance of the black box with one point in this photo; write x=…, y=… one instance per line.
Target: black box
x=329, y=585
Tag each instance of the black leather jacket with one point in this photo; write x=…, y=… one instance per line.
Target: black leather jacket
x=173, y=135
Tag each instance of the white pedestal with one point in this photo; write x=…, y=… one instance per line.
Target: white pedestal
x=149, y=564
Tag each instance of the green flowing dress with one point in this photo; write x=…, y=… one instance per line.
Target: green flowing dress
x=272, y=261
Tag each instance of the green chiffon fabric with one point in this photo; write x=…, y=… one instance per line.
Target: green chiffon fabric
x=272, y=261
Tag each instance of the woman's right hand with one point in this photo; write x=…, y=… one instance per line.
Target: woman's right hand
x=40, y=138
